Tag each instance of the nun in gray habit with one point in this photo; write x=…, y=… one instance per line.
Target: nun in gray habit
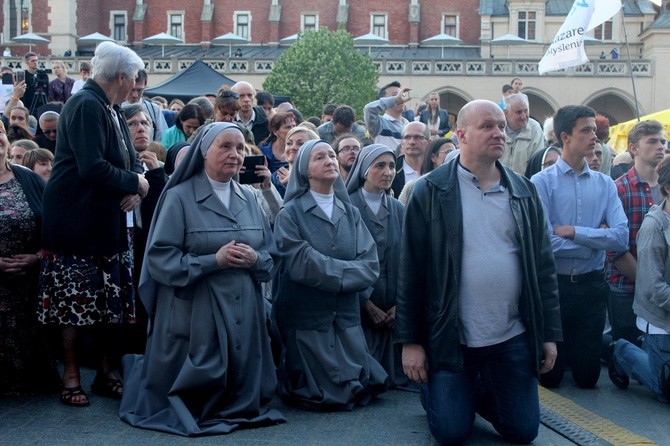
x=370, y=177
x=208, y=367
x=328, y=259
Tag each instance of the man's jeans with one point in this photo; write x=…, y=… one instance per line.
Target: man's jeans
x=644, y=365
x=498, y=382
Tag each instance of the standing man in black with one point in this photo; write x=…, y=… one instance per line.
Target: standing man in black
x=30, y=60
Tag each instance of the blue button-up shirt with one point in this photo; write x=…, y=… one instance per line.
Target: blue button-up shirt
x=589, y=202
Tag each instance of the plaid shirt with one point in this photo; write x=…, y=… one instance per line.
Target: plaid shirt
x=636, y=199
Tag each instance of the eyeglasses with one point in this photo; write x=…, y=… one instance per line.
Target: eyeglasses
x=413, y=137
x=229, y=94
x=348, y=149
x=50, y=132
x=133, y=124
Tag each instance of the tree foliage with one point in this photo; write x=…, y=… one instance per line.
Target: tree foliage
x=323, y=67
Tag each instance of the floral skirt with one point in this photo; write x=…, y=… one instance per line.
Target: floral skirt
x=86, y=290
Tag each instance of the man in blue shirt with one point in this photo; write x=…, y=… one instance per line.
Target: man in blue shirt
x=585, y=218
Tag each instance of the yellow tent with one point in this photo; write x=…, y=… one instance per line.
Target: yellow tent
x=619, y=133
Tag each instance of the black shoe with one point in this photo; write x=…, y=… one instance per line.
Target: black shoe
x=665, y=380
x=619, y=379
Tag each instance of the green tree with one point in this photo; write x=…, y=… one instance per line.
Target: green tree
x=323, y=67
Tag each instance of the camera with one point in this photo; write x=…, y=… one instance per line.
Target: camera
x=42, y=78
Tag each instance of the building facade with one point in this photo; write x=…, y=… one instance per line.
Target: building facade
x=476, y=67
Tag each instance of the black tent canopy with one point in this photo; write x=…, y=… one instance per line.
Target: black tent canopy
x=196, y=80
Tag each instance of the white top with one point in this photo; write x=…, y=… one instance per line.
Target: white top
x=221, y=190
x=325, y=202
x=374, y=201
x=410, y=173
x=78, y=84
x=434, y=127
x=646, y=327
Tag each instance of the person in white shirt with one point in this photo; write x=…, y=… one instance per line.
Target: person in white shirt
x=85, y=73
x=415, y=139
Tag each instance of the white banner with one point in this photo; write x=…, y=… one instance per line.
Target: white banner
x=603, y=11
x=567, y=48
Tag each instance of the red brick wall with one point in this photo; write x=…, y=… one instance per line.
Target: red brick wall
x=469, y=20
x=93, y=15
x=223, y=22
x=397, y=13
x=291, y=15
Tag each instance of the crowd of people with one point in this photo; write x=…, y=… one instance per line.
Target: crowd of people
x=206, y=256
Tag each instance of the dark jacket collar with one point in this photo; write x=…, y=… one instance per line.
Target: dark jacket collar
x=445, y=177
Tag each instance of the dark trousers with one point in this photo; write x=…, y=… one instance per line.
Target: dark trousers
x=498, y=382
x=583, y=307
x=622, y=317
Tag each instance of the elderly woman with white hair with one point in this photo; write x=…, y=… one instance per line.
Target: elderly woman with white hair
x=95, y=185
x=208, y=366
x=329, y=263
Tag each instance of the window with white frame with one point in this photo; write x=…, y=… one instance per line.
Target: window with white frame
x=378, y=25
x=243, y=24
x=603, y=31
x=450, y=25
x=176, y=24
x=310, y=22
x=118, y=24
x=526, y=24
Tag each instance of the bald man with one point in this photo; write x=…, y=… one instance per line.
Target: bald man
x=477, y=293
x=524, y=134
x=253, y=118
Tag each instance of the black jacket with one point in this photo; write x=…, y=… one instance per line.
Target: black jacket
x=261, y=128
x=430, y=267
x=82, y=213
x=399, y=181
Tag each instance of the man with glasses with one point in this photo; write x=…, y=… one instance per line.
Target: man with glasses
x=153, y=110
x=49, y=126
x=415, y=139
x=346, y=147
x=140, y=127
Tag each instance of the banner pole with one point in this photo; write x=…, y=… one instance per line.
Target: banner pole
x=630, y=66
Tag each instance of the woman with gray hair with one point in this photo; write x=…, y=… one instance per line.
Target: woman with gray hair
x=371, y=176
x=94, y=187
x=208, y=366
x=329, y=263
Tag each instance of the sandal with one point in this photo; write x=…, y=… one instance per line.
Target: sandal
x=109, y=387
x=68, y=394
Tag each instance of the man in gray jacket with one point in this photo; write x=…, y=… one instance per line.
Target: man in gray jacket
x=477, y=307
